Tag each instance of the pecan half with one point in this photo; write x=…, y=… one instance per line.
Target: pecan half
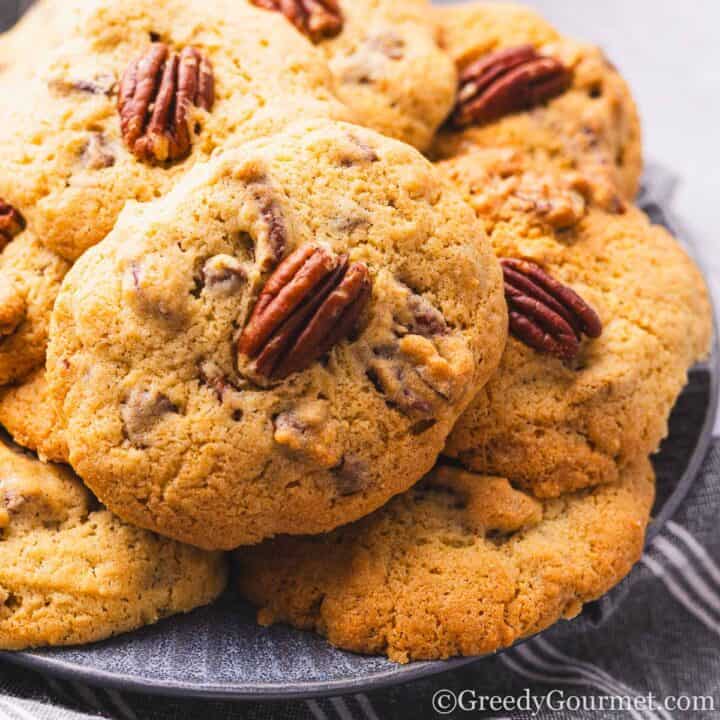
x=156, y=93
x=12, y=223
x=318, y=19
x=545, y=314
x=309, y=304
x=505, y=82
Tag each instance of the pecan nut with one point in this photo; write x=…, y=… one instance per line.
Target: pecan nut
x=545, y=314
x=309, y=304
x=12, y=223
x=318, y=19
x=156, y=93
x=505, y=82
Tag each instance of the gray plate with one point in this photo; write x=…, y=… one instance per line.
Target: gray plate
x=219, y=652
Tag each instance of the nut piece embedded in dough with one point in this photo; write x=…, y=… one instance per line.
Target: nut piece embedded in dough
x=310, y=303
x=507, y=81
x=544, y=313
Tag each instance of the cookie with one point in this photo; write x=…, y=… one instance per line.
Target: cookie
x=40, y=31
x=70, y=572
x=524, y=86
x=462, y=564
x=30, y=277
x=386, y=62
x=83, y=138
x=281, y=344
x=566, y=419
x=28, y=414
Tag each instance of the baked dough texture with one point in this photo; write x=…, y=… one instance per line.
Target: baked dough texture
x=593, y=127
x=30, y=278
x=63, y=162
x=28, y=413
x=389, y=69
x=175, y=433
x=462, y=564
x=555, y=426
x=71, y=573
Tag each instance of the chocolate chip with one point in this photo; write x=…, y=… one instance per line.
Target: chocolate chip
x=271, y=214
x=223, y=275
x=351, y=476
x=142, y=411
x=97, y=153
x=426, y=320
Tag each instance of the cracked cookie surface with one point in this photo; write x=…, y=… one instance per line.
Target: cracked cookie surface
x=555, y=425
x=592, y=126
x=63, y=162
x=462, y=564
x=71, y=573
x=158, y=359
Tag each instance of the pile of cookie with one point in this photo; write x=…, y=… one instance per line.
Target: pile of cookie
x=355, y=291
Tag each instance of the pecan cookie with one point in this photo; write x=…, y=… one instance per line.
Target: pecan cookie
x=139, y=93
x=607, y=314
x=524, y=86
x=70, y=572
x=30, y=277
x=28, y=414
x=281, y=344
x=462, y=564
x=384, y=56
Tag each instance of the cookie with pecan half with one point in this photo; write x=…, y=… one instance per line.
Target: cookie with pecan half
x=71, y=572
x=524, y=86
x=607, y=315
x=136, y=95
x=461, y=564
x=279, y=345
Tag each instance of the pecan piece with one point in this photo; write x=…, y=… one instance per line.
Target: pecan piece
x=318, y=19
x=309, y=304
x=545, y=314
x=156, y=93
x=505, y=82
x=12, y=223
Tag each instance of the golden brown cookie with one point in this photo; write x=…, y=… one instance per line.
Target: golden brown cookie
x=389, y=69
x=462, y=564
x=38, y=33
x=70, y=572
x=558, y=422
x=138, y=94
x=30, y=277
x=28, y=414
x=281, y=344
x=526, y=87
